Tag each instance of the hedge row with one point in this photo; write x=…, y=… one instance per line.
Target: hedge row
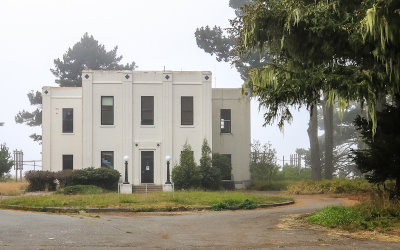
x=45, y=180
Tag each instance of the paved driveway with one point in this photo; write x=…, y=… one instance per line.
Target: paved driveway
x=230, y=229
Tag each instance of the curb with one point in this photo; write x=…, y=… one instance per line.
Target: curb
x=129, y=210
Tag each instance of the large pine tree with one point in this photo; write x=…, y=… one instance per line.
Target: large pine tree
x=88, y=53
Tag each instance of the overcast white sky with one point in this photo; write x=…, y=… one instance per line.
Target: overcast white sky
x=153, y=33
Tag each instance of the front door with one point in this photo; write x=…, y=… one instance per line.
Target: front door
x=147, y=166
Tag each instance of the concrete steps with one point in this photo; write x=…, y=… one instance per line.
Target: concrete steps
x=150, y=188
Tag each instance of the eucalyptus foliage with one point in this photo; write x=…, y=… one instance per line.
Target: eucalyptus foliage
x=316, y=47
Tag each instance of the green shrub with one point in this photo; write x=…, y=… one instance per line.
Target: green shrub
x=335, y=216
x=186, y=175
x=210, y=175
x=263, y=165
x=106, y=178
x=226, y=204
x=40, y=180
x=219, y=206
x=46, y=180
x=80, y=189
x=228, y=185
x=248, y=204
x=64, y=178
x=223, y=164
x=290, y=172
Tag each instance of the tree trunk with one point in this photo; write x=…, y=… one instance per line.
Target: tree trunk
x=314, y=144
x=327, y=110
x=380, y=102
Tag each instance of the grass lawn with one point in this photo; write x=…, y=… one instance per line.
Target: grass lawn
x=159, y=200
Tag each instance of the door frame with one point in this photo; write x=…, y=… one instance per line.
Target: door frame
x=141, y=162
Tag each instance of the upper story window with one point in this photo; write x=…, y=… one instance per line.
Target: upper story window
x=67, y=120
x=225, y=121
x=107, y=110
x=186, y=110
x=107, y=159
x=147, y=110
x=68, y=162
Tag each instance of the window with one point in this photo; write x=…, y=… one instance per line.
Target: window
x=68, y=162
x=68, y=120
x=225, y=120
x=226, y=172
x=107, y=110
x=107, y=159
x=147, y=106
x=186, y=110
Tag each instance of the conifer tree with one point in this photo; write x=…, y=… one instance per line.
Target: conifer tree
x=88, y=53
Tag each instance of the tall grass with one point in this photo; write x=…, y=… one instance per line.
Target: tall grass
x=336, y=186
x=12, y=188
x=271, y=186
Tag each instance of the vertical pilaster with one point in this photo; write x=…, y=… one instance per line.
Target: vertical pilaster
x=127, y=120
x=46, y=128
x=167, y=123
x=87, y=119
x=207, y=107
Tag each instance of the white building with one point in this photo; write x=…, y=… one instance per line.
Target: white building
x=146, y=116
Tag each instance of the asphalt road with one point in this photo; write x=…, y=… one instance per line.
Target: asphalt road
x=214, y=230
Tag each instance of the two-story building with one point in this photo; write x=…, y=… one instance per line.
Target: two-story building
x=145, y=115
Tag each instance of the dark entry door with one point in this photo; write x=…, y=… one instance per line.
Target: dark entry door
x=147, y=166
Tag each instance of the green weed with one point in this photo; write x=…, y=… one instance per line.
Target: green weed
x=80, y=189
x=369, y=215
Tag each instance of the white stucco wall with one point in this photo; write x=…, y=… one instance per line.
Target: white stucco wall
x=55, y=143
x=237, y=143
x=127, y=136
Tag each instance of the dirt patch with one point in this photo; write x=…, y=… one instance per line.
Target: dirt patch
x=165, y=236
x=295, y=221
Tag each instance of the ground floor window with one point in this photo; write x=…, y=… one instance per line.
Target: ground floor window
x=227, y=172
x=107, y=159
x=68, y=162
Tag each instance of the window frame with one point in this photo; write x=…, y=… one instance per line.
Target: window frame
x=103, y=110
x=224, y=129
x=64, y=160
x=184, y=109
x=228, y=156
x=64, y=121
x=142, y=111
x=101, y=159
